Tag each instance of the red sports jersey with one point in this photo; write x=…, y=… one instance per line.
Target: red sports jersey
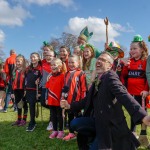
x=77, y=87
x=43, y=61
x=18, y=80
x=136, y=76
x=54, y=86
x=10, y=65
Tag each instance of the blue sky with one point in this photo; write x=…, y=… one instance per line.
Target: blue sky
x=25, y=24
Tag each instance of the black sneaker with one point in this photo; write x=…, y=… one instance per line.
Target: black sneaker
x=31, y=127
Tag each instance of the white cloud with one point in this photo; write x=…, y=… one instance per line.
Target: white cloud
x=2, y=36
x=97, y=26
x=118, y=27
x=65, y=3
x=12, y=16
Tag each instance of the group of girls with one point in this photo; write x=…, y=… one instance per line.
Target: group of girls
x=49, y=77
x=71, y=75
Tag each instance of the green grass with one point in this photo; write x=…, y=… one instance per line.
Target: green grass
x=16, y=138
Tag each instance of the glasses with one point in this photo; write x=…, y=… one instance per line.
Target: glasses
x=104, y=60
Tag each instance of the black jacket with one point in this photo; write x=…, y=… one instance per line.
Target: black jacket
x=111, y=127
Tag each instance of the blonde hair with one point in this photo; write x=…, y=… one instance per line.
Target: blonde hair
x=50, y=47
x=62, y=65
x=24, y=61
x=143, y=46
x=78, y=59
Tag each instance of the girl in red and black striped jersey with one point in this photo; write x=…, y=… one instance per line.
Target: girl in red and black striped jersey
x=75, y=79
x=33, y=75
x=134, y=72
x=54, y=85
x=18, y=85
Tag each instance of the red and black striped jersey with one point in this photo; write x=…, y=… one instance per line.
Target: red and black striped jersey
x=18, y=80
x=77, y=87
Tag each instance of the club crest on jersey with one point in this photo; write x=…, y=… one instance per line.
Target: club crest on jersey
x=36, y=72
x=140, y=66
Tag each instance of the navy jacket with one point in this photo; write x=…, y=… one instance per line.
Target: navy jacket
x=105, y=105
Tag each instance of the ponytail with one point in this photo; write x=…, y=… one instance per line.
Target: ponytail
x=64, y=68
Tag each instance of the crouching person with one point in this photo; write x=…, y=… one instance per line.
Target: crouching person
x=103, y=120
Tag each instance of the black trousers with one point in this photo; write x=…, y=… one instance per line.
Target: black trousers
x=31, y=99
x=19, y=94
x=57, y=118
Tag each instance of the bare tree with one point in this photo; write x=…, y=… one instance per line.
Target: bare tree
x=2, y=54
x=66, y=39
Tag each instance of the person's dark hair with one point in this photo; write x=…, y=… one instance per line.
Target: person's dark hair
x=12, y=51
x=39, y=62
x=67, y=48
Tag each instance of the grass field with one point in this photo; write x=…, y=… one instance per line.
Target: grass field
x=16, y=138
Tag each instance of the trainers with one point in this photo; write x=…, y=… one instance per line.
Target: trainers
x=16, y=123
x=15, y=110
x=31, y=127
x=5, y=111
x=53, y=134
x=70, y=136
x=50, y=126
x=22, y=123
x=60, y=135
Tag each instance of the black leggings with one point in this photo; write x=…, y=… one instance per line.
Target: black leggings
x=31, y=98
x=18, y=96
x=57, y=117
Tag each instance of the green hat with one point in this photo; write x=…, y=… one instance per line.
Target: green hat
x=115, y=50
x=45, y=43
x=137, y=38
x=85, y=35
x=149, y=38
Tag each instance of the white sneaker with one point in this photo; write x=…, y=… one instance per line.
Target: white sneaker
x=50, y=126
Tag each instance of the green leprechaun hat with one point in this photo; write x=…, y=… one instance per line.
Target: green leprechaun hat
x=85, y=35
x=149, y=38
x=115, y=50
x=137, y=38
